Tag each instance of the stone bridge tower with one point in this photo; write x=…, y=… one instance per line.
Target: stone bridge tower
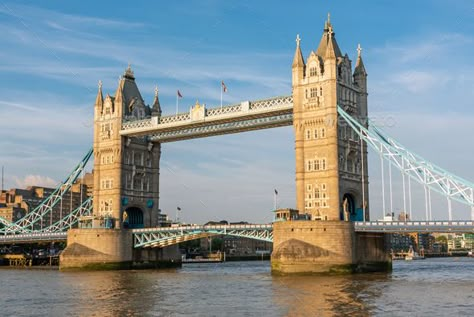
x=126, y=188
x=126, y=170
x=331, y=167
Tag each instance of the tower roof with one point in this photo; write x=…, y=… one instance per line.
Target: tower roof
x=328, y=39
x=127, y=91
x=298, y=59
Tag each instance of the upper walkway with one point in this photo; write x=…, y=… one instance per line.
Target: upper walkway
x=201, y=122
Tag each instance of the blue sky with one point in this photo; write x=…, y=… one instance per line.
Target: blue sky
x=418, y=56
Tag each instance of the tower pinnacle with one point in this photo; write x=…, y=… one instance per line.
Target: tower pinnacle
x=99, y=100
x=156, y=108
x=359, y=68
x=298, y=60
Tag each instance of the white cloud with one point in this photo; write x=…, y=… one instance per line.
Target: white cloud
x=35, y=180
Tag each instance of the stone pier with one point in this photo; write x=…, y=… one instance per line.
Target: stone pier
x=110, y=249
x=326, y=247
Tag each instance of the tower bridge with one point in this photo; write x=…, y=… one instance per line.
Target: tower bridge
x=331, y=175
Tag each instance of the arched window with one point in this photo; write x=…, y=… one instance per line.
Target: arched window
x=316, y=165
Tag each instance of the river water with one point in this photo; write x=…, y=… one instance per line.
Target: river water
x=432, y=287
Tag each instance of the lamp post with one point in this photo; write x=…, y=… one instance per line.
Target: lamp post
x=178, y=209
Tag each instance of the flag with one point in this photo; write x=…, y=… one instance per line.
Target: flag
x=179, y=94
x=224, y=87
x=276, y=192
x=178, y=208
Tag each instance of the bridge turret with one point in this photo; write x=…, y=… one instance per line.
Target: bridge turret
x=360, y=75
x=330, y=57
x=298, y=66
x=360, y=80
x=156, y=108
x=99, y=100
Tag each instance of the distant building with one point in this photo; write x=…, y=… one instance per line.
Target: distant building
x=16, y=203
x=163, y=220
x=425, y=241
x=400, y=242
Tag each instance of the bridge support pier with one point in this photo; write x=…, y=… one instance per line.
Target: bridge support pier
x=112, y=249
x=323, y=247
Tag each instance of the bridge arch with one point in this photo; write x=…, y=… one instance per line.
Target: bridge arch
x=133, y=218
x=348, y=207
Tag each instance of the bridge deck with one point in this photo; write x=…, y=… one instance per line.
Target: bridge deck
x=415, y=226
x=159, y=237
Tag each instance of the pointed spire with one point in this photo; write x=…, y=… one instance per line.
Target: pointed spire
x=129, y=73
x=359, y=68
x=298, y=60
x=156, y=108
x=328, y=36
x=99, y=100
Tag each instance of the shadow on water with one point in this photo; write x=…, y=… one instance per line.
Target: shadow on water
x=117, y=293
x=339, y=295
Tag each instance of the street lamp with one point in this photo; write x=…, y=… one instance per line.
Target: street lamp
x=178, y=209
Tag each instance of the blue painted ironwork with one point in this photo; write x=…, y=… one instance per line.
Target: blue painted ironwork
x=161, y=237
x=413, y=165
x=26, y=224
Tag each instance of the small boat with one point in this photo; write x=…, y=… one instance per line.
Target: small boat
x=412, y=255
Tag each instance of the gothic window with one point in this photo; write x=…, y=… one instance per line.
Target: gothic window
x=320, y=91
x=323, y=164
x=316, y=165
x=323, y=132
x=309, y=187
x=148, y=160
x=315, y=133
x=350, y=166
x=313, y=71
x=136, y=184
x=313, y=92
x=310, y=165
x=308, y=134
x=137, y=159
x=323, y=186
x=316, y=193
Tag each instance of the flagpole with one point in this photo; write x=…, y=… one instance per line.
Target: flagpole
x=177, y=101
x=275, y=200
x=222, y=88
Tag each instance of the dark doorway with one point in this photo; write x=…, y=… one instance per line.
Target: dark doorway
x=348, y=206
x=133, y=218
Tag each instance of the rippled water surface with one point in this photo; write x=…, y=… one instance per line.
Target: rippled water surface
x=432, y=287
